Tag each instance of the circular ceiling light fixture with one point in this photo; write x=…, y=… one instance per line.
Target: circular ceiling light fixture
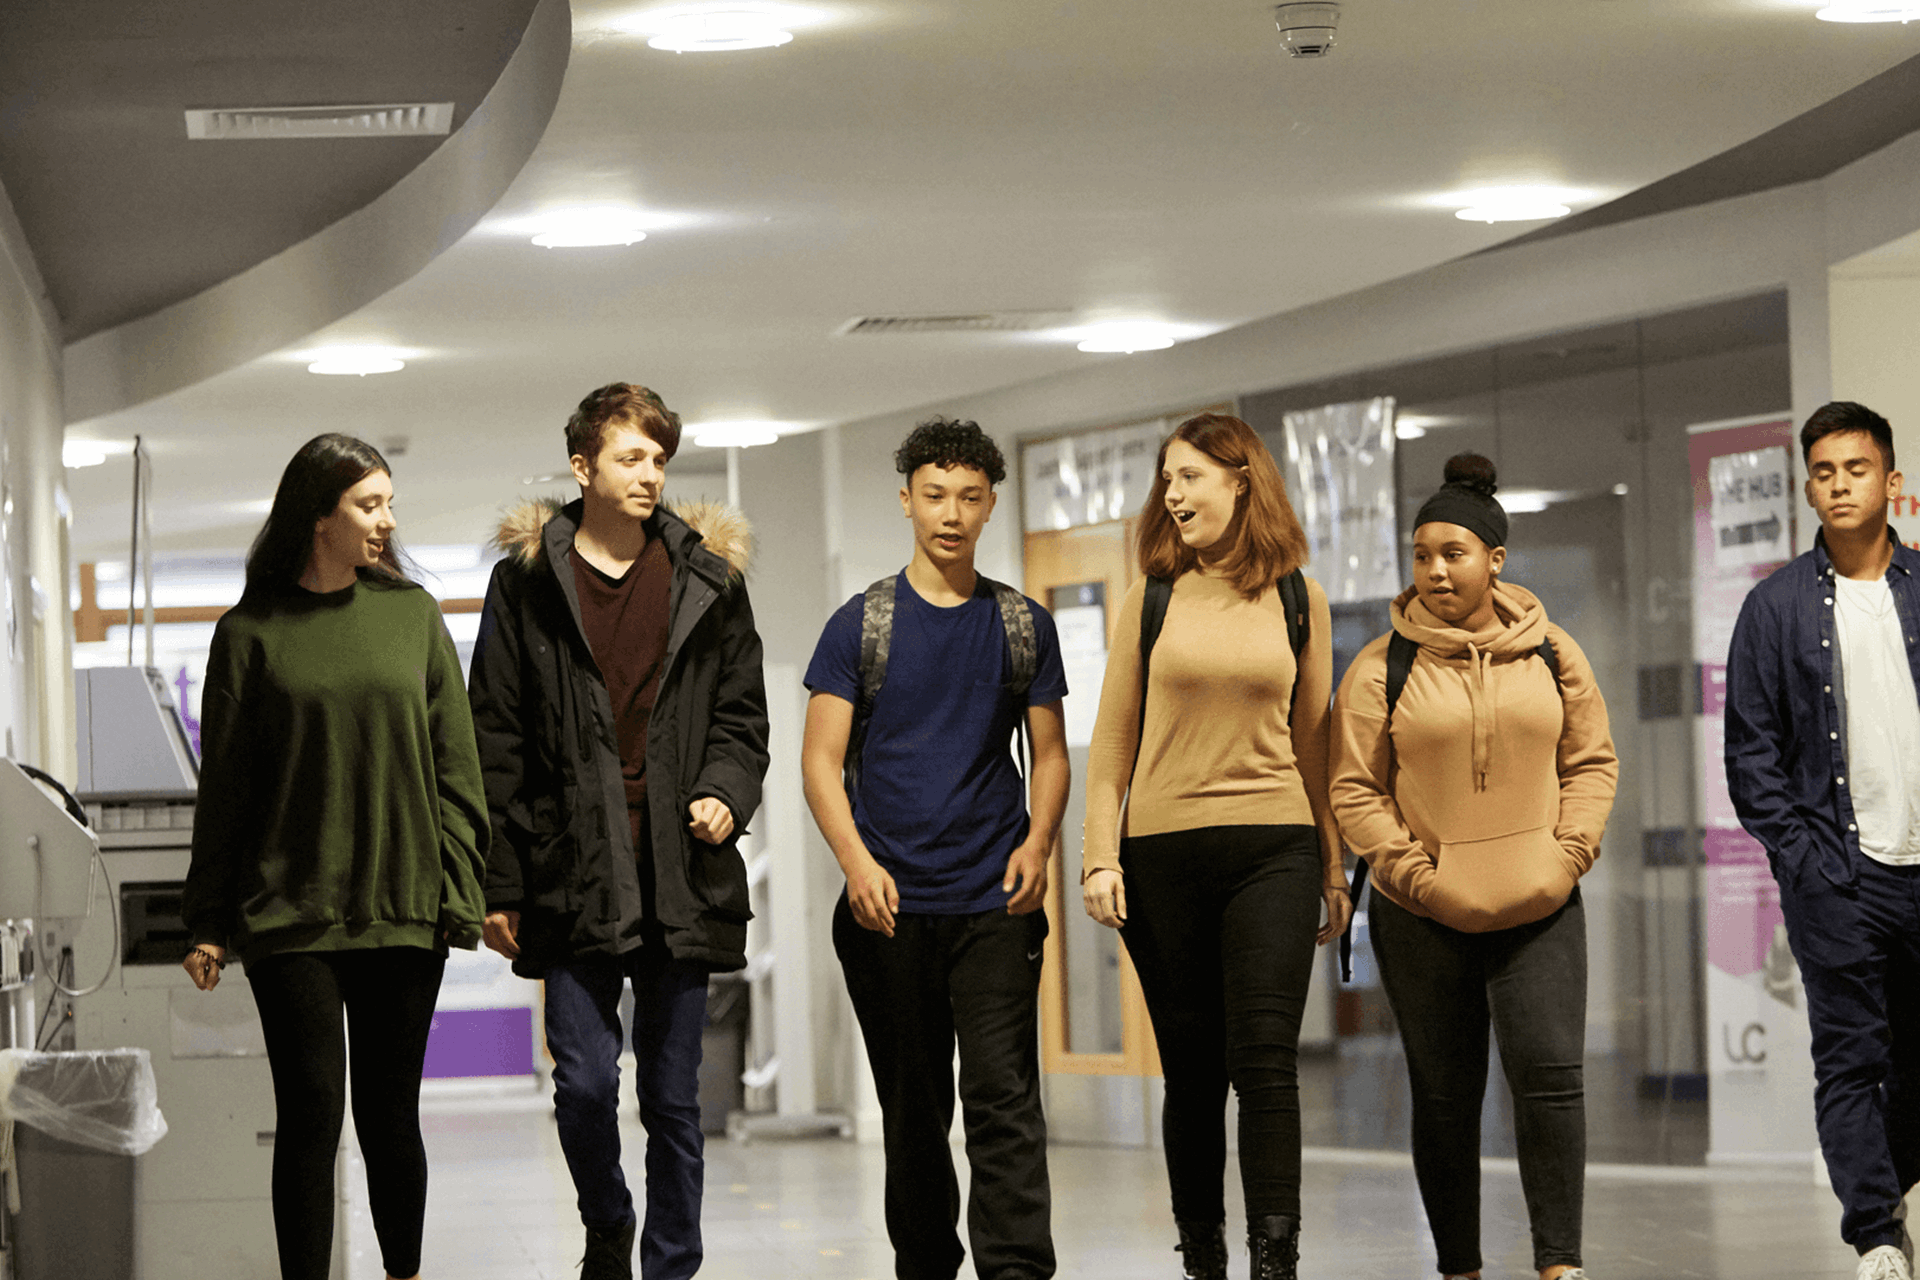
x=720, y=29
x=1124, y=337
x=1510, y=204
x=1868, y=11
x=734, y=435
x=355, y=362
x=589, y=229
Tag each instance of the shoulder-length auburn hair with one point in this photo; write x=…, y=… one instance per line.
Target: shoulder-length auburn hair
x=310, y=488
x=1268, y=542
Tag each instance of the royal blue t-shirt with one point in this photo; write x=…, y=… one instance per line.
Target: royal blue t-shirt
x=941, y=804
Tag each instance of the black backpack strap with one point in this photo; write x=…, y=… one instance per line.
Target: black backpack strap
x=876, y=639
x=1400, y=655
x=1023, y=657
x=1153, y=616
x=1293, y=598
x=1551, y=657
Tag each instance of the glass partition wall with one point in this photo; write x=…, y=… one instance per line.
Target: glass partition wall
x=1589, y=430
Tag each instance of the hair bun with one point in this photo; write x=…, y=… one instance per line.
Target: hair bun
x=1473, y=471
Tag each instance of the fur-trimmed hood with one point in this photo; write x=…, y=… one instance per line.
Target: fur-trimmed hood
x=722, y=529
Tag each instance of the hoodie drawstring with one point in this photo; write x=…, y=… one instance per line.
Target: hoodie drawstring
x=1478, y=662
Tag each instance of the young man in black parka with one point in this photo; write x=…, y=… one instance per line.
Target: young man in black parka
x=621, y=715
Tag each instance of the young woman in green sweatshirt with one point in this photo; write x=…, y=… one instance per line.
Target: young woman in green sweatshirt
x=338, y=841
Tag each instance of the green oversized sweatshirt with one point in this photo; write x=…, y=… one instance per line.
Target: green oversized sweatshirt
x=340, y=797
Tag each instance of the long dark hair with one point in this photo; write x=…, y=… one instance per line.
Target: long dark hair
x=1268, y=543
x=310, y=488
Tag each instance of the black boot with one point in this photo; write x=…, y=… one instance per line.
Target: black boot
x=1203, y=1249
x=609, y=1254
x=1274, y=1242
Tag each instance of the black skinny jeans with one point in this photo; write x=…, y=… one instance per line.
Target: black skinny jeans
x=1220, y=925
x=1530, y=984
x=387, y=995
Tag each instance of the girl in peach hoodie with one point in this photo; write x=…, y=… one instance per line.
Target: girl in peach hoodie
x=1479, y=798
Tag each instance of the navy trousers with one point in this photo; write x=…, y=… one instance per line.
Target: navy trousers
x=1858, y=948
x=583, y=1034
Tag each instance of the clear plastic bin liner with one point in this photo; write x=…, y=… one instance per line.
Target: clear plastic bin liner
x=104, y=1099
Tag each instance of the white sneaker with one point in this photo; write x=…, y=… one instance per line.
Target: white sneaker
x=1884, y=1263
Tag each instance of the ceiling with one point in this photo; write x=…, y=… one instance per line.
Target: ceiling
x=1119, y=158
x=126, y=215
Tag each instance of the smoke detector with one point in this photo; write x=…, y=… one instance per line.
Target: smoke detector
x=1307, y=28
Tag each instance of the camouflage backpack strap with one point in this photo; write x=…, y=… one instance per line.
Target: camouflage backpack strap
x=1023, y=657
x=876, y=639
x=1023, y=650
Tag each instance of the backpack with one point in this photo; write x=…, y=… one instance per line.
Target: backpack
x=1293, y=602
x=876, y=640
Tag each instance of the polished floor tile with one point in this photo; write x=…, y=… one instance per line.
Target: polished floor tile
x=502, y=1207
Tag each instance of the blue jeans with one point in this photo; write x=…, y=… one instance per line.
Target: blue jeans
x=1859, y=952
x=583, y=1034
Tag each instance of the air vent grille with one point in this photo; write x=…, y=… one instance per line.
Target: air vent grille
x=973, y=322
x=388, y=120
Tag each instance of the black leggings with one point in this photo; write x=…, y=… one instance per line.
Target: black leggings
x=1220, y=925
x=388, y=996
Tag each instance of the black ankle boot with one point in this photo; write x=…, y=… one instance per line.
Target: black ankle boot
x=609, y=1254
x=1274, y=1242
x=1203, y=1250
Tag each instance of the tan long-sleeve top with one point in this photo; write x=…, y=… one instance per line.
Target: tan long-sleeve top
x=1483, y=803
x=1221, y=746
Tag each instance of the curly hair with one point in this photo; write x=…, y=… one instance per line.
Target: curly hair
x=623, y=404
x=948, y=443
x=1268, y=540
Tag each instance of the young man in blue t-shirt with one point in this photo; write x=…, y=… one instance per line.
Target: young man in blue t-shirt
x=940, y=931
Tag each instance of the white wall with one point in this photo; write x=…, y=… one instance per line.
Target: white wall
x=36, y=625
x=1875, y=327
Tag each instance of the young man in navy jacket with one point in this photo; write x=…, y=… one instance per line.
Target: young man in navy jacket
x=1823, y=764
x=941, y=931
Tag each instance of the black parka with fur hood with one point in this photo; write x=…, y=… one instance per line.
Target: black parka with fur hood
x=562, y=852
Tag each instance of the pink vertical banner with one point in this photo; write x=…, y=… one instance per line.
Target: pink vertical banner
x=1745, y=498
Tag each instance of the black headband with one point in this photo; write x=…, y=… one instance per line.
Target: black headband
x=1468, y=508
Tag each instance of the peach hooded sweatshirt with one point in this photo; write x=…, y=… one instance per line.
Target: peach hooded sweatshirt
x=1483, y=804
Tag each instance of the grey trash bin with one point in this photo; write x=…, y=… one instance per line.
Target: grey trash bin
x=79, y=1121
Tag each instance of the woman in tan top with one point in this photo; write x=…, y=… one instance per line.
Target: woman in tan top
x=1217, y=870
x=1479, y=794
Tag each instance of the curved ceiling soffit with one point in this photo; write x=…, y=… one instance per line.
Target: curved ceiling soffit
x=338, y=270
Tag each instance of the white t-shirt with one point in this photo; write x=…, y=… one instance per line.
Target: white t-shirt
x=1883, y=721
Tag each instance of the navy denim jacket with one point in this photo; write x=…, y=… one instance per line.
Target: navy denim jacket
x=1786, y=713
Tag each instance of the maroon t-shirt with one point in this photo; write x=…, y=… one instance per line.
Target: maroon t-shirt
x=626, y=624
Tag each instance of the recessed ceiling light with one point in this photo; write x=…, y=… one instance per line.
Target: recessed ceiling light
x=1127, y=336
x=1510, y=204
x=716, y=29
x=355, y=361
x=589, y=228
x=1408, y=431
x=734, y=435
x=1868, y=11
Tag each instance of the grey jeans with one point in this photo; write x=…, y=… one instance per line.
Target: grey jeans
x=1530, y=985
